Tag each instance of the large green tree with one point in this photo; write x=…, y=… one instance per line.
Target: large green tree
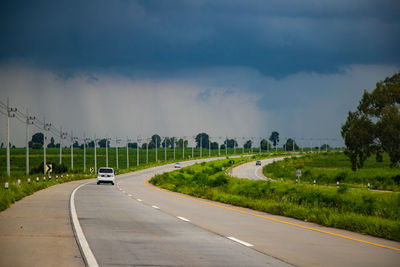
x=37, y=141
x=375, y=126
x=274, y=138
x=156, y=140
x=290, y=145
x=203, y=139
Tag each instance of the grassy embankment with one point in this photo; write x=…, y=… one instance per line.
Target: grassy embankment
x=360, y=210
x=16, y=192
x=328, y=168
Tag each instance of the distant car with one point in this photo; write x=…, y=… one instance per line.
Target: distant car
x=258, y=162
x=105, y=175
x=177, y=165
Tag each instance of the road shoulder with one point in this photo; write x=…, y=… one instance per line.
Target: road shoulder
x=36, y=231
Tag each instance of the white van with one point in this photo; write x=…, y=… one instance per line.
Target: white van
x=105, y=175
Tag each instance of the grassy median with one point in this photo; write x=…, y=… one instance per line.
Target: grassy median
x=360, y=210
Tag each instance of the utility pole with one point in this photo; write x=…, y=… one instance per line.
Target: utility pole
x=127, y=152
x=73, y=139
x=46, y=127
x=174, y=147
x=156, y=148
x=116, y=148
x=107, y=139
x=29, y=120
x=260, y=144
x=311, y=144
x=165, y=148
x=138, y=139
x=293, y=145
x=226, y=146
x=234, y=145
x=147, y=151
x=85, y=140
x=183, y=148
x=201, y=145
x=209, y=147
x=62, y=136
x=194, y=138
x=95, y=155
x=10, y=114
x=319, y=145
x=251, y=140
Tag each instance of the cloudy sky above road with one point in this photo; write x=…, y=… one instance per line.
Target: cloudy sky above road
x=236, y=68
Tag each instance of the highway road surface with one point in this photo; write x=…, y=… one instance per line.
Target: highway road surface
x=136, y=224
x=252, y=171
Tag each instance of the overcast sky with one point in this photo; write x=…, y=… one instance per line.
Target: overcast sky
x=176, y=68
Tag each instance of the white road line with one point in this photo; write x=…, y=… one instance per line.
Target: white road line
x=154, y=206
x=129, y=195
x=183, y=219
x=139, y=200
x=240, y=241
x=79, y=235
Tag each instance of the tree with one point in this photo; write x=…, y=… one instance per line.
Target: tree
x=289, y=145
x=274, y=138
x=375, y=126
x=2, y=145
x=248, y=144
x=91, y=144
x=202, y=138
x=37, y=141
x=214, y=145
x=230, y=143
x=76, y=144
x=155, y=139
x=133, y=145
x=265, y=145
x=180, y=142
x=102, y=143
x=51, y=144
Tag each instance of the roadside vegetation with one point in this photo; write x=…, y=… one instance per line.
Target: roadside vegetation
x=330, y=168
x=369, y=212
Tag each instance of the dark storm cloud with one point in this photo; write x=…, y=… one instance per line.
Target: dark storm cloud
x=277, y=38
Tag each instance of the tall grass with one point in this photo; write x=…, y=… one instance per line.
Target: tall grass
x=329, y=168
x=360, y=210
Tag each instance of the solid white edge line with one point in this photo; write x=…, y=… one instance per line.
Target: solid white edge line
x=129, y=195
x=183, y=219
x=87, y=253
x=240, y=241
x=139, y=200
x=154, y=206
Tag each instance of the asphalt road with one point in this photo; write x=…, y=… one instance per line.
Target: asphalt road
x=252, y=171
x=136, y=224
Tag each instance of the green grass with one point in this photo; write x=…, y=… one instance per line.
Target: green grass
x=17, y=157
x=360, y=210
x=328, y=168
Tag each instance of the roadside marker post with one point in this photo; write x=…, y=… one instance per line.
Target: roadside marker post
x=6, y=185
x=298, y=174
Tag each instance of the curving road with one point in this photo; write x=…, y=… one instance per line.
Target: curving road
x=252, y=171
x=137, y=224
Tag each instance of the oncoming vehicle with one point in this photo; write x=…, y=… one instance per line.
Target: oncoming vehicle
x=105, y=175
x=258, y=162
x=177, y=165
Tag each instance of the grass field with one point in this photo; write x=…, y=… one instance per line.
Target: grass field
x=18, y=158
x=329, y=168
x=361, y=210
